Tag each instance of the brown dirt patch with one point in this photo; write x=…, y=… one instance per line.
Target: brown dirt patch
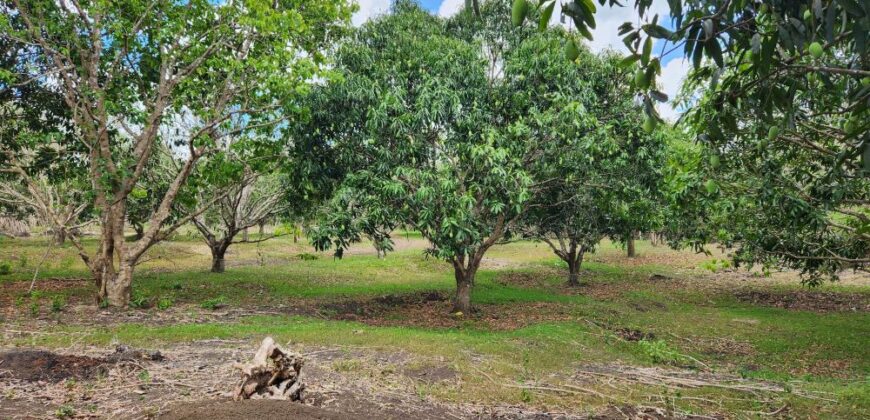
x=431, y=374
x=11, y=290
x=250, y=409
x=807, y=300
x=724, y=347
x=629, y=334
x=38, y=365
x=433, y=310
x=836, y=368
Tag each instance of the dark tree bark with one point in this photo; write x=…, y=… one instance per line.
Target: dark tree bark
x=59, y=237
x=261, y=228
x=629, y=246
x=464, y=270
x=218, y=263
x=140, y=231
x=574, y=258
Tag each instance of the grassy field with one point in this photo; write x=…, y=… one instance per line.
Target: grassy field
x=658, y=332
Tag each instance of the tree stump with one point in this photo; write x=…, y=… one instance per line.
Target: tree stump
x=273, y=374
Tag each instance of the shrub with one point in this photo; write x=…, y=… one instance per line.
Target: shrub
x=57, y=303
x=716, y=265
x=164, y=303
x=64, y=412
x=307, y=257
x=137, y=300
x=660, y=352
x=5, y=268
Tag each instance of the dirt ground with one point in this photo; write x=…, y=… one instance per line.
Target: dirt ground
x=193, y=381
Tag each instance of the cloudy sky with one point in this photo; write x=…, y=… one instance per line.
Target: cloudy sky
x=605, y=36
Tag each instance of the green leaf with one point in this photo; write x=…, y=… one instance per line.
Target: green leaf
x=628, y=61
x=545, y=15
x=647, y=50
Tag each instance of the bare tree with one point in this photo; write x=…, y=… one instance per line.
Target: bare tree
x=250, y=202
x=57, y=205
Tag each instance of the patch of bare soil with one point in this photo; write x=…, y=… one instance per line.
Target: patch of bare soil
x=13, y=289
x=38, y=365
x=250, y=409
x=807, y=300
x=645, y=413
x=629, y=334
x=432, y=310
x=431, y=374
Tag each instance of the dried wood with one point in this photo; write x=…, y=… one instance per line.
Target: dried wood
x=273, y=373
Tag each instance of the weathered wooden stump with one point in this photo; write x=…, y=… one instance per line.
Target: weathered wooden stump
x=273, y=374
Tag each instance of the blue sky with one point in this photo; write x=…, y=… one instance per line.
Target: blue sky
x=674, y=67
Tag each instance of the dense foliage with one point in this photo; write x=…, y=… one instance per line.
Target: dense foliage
x=778, y=98
x=133, y=74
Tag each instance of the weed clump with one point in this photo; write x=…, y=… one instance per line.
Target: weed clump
x=214, y=303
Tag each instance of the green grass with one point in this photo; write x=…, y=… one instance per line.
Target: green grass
x=825, y=351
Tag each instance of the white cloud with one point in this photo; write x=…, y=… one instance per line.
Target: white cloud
x=606, y=36
x=670, y=81
x=450, y=7
x=369, y=9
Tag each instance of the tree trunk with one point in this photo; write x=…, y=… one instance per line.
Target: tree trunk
x=462, y=301
x=262, y=228
x=464, y=274
x=119, y=286
x=140, y=231
x=629, y=246
x=59, y=237
x=245, y=235
x=218, y=264
x=574, y=260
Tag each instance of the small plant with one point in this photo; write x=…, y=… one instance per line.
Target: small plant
x=346, y=365
x=5, y=268
x=307, y=257
x=144, y=376
x=214, y=303
x=104, y=304
x=19, y=301
x=22, y=261
x=34, y=309
x=715, y=265
x=525, y=395
x=660, y=352
x=138, y=300
x=64, y=412
x=164, y=303
x=57, y=303
x=176, y=286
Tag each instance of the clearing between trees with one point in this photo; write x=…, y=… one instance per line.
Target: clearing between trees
x=655, y=336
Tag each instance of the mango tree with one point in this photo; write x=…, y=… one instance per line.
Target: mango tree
x=779, y=99
x=599, y=170
x=424, y=141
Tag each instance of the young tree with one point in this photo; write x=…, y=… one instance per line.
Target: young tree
x=129, y=70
